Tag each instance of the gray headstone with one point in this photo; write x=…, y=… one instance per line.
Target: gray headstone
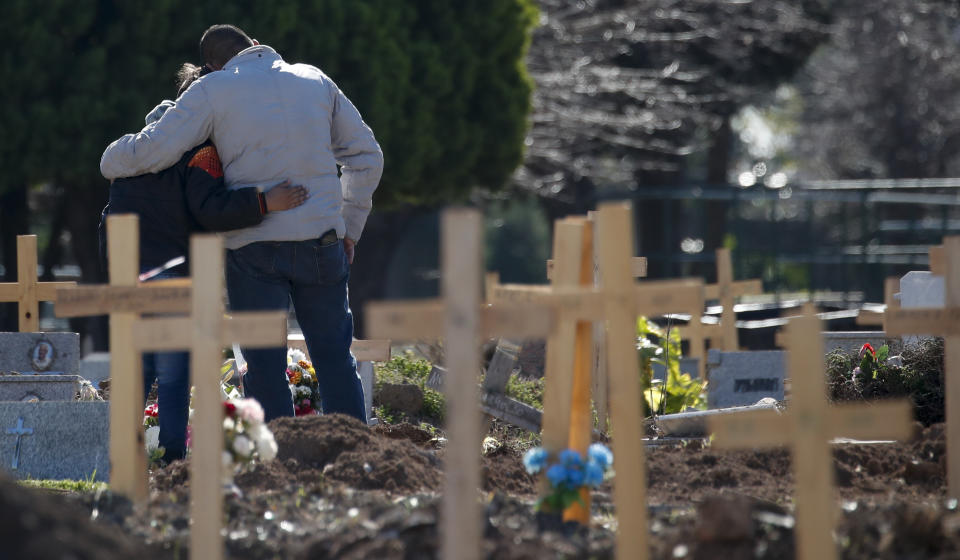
x=852, y=341
x=55, y=440
x=687, y=365
x=743, y=378
x=95, y=367
x=34, y=388
x=921, y=288
x=45, y=352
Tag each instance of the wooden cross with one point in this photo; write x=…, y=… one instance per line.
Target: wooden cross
x=807, y=427
x=942, y=322
x=27, y=291
x=204, y=334
x=124, y=298
x=617, y=301
x=461, y=319
x=726, y=291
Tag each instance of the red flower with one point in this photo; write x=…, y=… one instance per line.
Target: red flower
x=151, y=411
x=863, y=351
x=230, y=409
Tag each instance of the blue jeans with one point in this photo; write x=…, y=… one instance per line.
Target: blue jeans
x=172, y=372
x=266, y=276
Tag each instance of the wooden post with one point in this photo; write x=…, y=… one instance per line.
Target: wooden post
x=568, y=244
x=807, y=427
x=581, y=421
x=616, y=236
x=726, y=291
x=944, y=322
x=205, y=333
x=461, y=318
x=27, y=291
x=128, y=458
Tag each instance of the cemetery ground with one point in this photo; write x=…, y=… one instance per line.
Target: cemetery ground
x=341, y=490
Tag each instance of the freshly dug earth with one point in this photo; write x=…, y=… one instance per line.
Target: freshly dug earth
x=341, y=490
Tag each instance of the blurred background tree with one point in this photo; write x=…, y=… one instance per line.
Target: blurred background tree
x=442, y=85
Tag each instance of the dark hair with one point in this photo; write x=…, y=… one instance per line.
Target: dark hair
x=222, y=42
x=187, y=74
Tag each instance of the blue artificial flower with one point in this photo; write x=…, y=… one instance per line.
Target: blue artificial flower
x=570, y=459
x=535, y=459
x=575, y=477
x=556, y=474
x=599, y=453
x=593, y=473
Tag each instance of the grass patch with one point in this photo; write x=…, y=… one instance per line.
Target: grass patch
x=77, y=486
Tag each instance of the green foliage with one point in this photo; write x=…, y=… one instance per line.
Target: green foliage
x=517, y=240
x=681, y=391
x=407, y=369
x=442, y=84
x=527, y=391
x=87, y=486
x=915, y=373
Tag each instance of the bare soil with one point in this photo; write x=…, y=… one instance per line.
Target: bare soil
x=341, y=490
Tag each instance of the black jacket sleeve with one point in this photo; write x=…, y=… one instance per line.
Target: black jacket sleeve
x=215, y=207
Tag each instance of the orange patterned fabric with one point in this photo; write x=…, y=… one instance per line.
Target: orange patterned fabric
x=207, y=159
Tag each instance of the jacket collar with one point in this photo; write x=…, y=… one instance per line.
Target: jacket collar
x=256, y=52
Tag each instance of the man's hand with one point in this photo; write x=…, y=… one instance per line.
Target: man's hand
x=284, y=196
x=348, y=247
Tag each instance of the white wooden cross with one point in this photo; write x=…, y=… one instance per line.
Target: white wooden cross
x=942, y=322
x=124, y=298
x=27, y=291
x=205, y=333
x=461, y=319
x=807, y=428
x=726, y=291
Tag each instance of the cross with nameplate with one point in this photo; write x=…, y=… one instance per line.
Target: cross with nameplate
x=943, y=322
x=18, y=431
x=205, y=333
x=462, y=320
x=806, y=428
x=27, y=291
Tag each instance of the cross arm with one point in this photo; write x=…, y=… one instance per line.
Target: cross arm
x=872, y=421
x=737, y=289
x=102, y=299
x=424, y=319
x=752, y=428
x=46, y=291
x=933, y=321
x=253, y=329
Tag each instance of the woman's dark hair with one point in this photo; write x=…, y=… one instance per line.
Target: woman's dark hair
x=187, y=74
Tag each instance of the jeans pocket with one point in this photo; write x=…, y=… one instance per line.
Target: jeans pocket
x=330, y=262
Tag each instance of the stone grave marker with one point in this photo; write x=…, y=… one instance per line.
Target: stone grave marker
x=743, y=378
x=852, y=341
x=55, y=439
x=942, y=321
x=27, y=291
x=806, y=428
x=36, y=388
x=36, y=352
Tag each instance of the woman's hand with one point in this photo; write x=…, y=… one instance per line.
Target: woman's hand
x=284, y=196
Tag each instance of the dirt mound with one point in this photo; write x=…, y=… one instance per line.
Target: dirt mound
x=345, y=450
x=41, y=526
x=405, y=431
x=915, y=469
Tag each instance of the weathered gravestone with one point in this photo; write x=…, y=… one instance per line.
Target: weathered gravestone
x=55, y=439
x=37, y=352
x=743, y=378
x=36, y=388
x=95, y=367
